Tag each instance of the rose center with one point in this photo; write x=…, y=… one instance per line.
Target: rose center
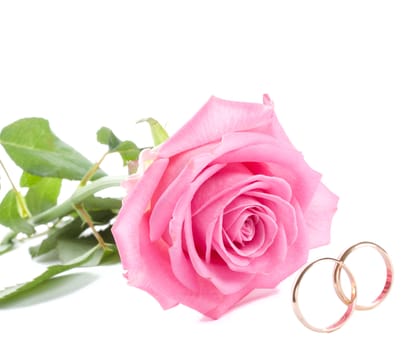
x=248, y=230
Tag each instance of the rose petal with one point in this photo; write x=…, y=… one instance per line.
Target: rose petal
x=217, y=200
x=236, y=213
x=318, y=216
x=153, y=274
x=296, y=256
x=230, y=259
x=245, y=207
x=259, y=260
x=203, y=156
x=225, y=280
x=164, y=208
x=284, y=162
x=132, y=220
x=148, y=264
x=180, y=264
x=135, y=204
x=152, y=270
x=284, y=212
x=185, y=167
x=215, y=119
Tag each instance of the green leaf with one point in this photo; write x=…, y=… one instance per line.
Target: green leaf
x=5, y=247
x=10, y=217
x=105, y=136
x=32, y=145
x=42, y=194
x=69, y=249
x=111, y=255
x=7, y=243
x=159, y=134
x=22, y=206
x=91, y=258
x=127, y=149
x=71, y=229
x=29, y=180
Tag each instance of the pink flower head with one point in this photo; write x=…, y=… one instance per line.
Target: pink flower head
x=225, y=206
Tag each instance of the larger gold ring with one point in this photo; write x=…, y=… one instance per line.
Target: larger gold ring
x=388, y=281
x=350, y=302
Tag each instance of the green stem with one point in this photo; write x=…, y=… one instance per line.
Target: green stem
x=8, y=177
x=79, y=195
x=84, y=215
x=21, y=203
x=92, y=171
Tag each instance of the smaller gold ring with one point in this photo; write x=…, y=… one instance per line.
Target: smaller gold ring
x=388, y=281
x=351, y=302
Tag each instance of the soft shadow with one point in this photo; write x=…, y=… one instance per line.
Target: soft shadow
x=54, y=288
x=251, y=297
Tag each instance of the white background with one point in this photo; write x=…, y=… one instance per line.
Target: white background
x=345, y=79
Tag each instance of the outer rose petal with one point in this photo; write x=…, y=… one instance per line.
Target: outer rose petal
x=318, y=216
x=126, y=229
x=219, y=117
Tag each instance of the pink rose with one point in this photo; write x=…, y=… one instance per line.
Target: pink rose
x=227, y=205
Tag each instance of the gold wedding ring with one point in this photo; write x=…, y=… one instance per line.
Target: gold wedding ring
x=350, y=301
x=388, y=280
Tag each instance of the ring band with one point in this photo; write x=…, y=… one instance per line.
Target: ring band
x=388, y=281
x=351, y=303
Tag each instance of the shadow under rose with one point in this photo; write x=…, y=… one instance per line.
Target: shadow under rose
x=251, y=297
x=50, y=289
